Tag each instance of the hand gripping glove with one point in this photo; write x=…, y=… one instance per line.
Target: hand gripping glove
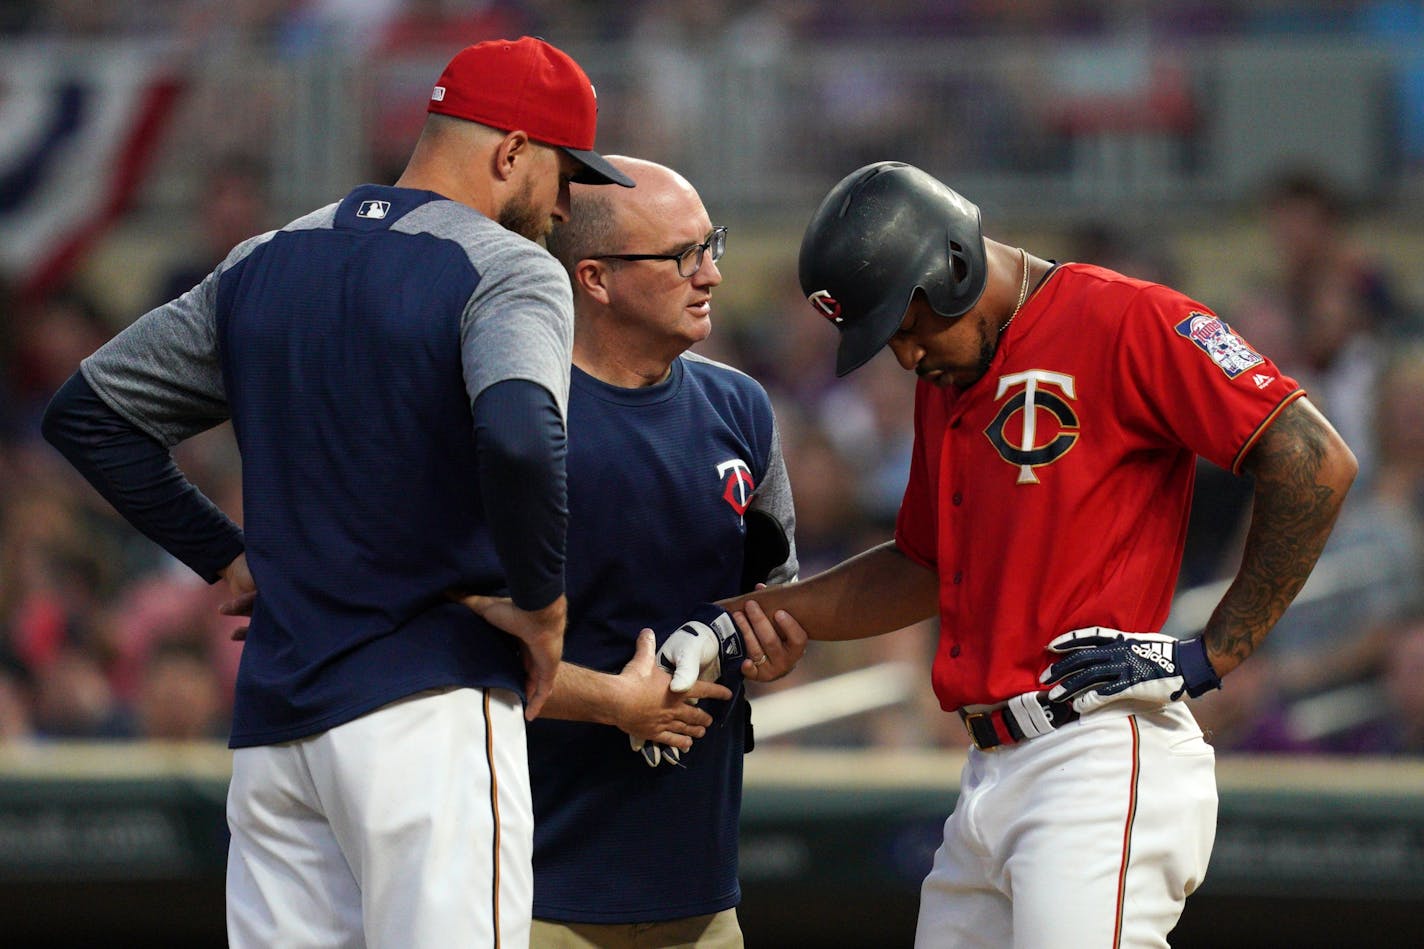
x=695, y=650
x=705, y=647
x=1102, y=665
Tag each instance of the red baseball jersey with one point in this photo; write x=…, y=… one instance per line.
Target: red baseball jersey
x=1053, y=493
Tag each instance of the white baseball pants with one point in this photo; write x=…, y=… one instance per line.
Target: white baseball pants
x=409, y=827
x=1091, y=836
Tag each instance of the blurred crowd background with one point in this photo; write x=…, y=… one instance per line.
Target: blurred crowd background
x=1265, y=157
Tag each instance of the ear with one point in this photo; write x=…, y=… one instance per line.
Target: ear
x=590, y=277
x=512, y=149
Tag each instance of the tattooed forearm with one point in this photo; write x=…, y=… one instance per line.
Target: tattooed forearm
x=1302, y=470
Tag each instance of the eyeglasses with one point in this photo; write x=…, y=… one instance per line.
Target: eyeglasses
x=689, y=259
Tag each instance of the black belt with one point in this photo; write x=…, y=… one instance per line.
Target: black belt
x=1007, y=726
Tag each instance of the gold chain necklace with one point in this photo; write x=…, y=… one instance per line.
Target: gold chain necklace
x=1023, y=291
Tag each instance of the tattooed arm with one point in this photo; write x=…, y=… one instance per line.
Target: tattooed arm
x=1302, y=470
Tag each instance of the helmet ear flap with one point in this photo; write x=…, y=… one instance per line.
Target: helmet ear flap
x=946, y=295
x=958, y=261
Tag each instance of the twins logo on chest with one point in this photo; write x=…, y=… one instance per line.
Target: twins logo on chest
x=1036, y=424
x=737, y=484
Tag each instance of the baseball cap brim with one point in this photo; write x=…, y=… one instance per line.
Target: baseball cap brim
x=597, y=170
x=862, y=338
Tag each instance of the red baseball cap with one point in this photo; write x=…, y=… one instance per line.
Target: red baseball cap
x=529, y=85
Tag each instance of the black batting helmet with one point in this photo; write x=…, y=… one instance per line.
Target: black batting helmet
x=885, y=231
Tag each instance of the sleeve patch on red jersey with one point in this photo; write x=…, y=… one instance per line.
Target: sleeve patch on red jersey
x=1212, y=336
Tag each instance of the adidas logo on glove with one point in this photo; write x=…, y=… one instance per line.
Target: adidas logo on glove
x=1153, y=652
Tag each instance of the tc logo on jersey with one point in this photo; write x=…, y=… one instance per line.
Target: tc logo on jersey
x=737, y=486
x=1034, y=427
x=1229, y=351
x=826, y=305
x=374, y=209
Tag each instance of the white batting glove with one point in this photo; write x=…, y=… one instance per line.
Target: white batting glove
x=1102, y=665
x=701, y=648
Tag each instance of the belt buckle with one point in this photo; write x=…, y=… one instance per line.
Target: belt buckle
x=969, y=719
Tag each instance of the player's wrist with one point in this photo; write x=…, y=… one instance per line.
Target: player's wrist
x=1198, y=674
x=553, y=614
x=731, y=648
x=706, y=646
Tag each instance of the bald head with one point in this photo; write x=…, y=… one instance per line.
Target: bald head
x=635, y=309
x=601, y=220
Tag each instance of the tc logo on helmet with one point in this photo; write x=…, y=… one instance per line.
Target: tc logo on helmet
x=826, y=305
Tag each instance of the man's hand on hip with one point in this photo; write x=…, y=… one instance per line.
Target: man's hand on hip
x=244, y=593
x=541, y=640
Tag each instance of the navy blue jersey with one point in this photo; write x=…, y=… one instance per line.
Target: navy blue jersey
x=347, y=349
x=660, y=482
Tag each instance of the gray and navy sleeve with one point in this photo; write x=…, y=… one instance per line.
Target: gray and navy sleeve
x=521, y=451
x=516, y=349
x=136, y=474
x=519, y=324
x=150, y=387
x=162, y=373
x=771, y=523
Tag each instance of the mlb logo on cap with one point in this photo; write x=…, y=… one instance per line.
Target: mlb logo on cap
x=374, y=209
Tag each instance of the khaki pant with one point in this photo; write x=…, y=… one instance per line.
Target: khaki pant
x=717, y=931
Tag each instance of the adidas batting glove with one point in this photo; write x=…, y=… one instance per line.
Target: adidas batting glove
x=1102, y=665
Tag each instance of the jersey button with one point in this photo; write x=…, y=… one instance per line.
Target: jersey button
x=958, y=576
x=954, y=651
x=957, y=498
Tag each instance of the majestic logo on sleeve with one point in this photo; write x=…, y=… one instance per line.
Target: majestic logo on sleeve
x=1035, y=426
x=826, y=305
x=1229, y=351
x=737, y=485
